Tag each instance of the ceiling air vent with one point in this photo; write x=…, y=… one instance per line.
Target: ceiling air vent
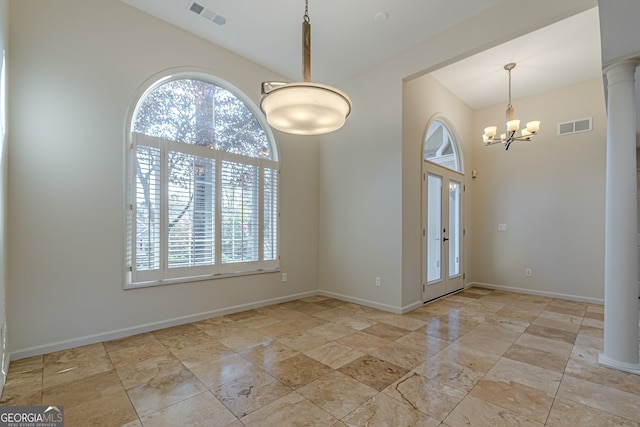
x=576, y=126
x=196, y=8
x=208, y=14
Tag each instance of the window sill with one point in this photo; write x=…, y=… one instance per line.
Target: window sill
x=128, y=285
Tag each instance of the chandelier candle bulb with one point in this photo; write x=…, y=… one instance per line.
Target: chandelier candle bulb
x=513, y=125
x=533, y=126
x=490, y=131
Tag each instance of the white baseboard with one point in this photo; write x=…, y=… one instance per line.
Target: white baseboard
x=599, y=301
x=413, y=306
x=120, y=333
x=365, y=302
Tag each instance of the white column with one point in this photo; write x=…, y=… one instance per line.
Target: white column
x=621, y=223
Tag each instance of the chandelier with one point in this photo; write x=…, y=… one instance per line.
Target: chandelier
x=531, y=129
x=304, y=108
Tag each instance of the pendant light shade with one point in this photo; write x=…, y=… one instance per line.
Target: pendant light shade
x=304, y=108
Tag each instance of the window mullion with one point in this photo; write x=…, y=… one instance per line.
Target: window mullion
x=261, y=215
x=218, y=213
x=132, y=204
x=164, y=208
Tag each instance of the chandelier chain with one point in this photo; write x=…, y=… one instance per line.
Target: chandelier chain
x=306, y=11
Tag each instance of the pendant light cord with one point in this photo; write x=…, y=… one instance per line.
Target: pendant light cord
x=306, y=11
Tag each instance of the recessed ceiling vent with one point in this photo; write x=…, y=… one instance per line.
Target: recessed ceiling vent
x=576, y=126
x=208, y=14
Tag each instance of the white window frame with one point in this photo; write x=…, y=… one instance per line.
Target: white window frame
x=165, y=275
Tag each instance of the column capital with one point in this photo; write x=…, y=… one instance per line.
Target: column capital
x=622, y=70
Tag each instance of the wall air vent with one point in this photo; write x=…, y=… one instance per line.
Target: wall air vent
x=575, y=126
x=208, y=14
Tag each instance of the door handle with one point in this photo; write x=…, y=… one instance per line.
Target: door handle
x=444, y=239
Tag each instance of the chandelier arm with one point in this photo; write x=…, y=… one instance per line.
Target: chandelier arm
x=523, y=138
x=493, y=142
x=512, y=137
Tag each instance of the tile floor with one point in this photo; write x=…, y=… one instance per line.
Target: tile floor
x=477, y=358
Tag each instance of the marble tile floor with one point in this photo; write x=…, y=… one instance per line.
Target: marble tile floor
x=476, y=358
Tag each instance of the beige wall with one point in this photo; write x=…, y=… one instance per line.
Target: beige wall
x=364, y=166
x=423, y=100
x=549, y=193
x=361, y=201
x=75, y=68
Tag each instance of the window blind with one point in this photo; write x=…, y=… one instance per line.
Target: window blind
x=201, y=212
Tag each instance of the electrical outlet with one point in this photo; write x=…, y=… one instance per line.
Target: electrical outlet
x=284, y=277
x=377, y=281
x=527, y=272
x=502, y=227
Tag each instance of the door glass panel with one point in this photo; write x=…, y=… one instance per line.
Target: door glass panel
x=454, y=227
x=434, y=227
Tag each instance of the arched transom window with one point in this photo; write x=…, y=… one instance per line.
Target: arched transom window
x=440, y=147
x=203, y=184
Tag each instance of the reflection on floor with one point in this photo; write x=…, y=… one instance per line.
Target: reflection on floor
x=477, y=358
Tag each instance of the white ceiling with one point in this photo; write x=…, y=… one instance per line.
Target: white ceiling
x=347, y=38
x=558, y=55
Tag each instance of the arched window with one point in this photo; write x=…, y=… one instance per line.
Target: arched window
x=440, y=147
x=203, y=183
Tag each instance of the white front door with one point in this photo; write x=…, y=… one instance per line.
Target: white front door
x=442, y=232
